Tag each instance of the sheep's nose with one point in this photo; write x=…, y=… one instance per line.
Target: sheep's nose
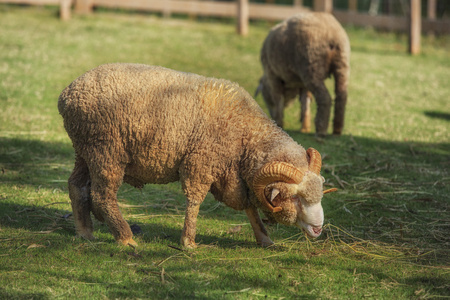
x=317, y=229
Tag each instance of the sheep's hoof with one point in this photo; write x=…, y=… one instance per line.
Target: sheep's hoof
x=265, y=243
x=188, y=244
x=86, y=235
x=128, y=242
x=305, y=130
x=320, y=135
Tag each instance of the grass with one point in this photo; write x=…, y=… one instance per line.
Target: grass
x=386, y=232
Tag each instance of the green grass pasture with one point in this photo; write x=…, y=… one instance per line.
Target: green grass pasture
x=387, y=229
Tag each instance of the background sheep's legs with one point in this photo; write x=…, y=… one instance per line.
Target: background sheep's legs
x=276, y=101
x=106, y=180
x=305, y=110
x=79, y=193
x=261, y=235
x=323, y=100
x=339, y=103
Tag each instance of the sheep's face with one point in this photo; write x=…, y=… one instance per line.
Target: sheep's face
x=310, y=218
x=296, y=211
x=300, y=203
x=293, y=196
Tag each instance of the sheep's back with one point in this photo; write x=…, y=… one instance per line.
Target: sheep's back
x=154, y=116
x=112, y=101
x=299, y=49
x=311, y=28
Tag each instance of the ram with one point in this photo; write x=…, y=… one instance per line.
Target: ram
x=145, y=124
x=297, y=56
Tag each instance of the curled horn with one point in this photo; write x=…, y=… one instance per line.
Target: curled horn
x=315, y=160
x=273, y=172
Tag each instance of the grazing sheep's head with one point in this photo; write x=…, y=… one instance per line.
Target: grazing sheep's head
x=263, y=88
x=293, y=196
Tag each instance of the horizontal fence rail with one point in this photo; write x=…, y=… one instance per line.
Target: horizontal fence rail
x=254, y=11
x=199, y=8
x=64, y=5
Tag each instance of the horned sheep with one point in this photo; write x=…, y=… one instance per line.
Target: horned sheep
x=146, y=124
x=297, y=56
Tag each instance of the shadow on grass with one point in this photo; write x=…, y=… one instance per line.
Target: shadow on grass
x=395, y=192
x=22, y=295
x=438, y=115
x=389, y=191
x=40, y=221
x=34, y=163
x=17, y=151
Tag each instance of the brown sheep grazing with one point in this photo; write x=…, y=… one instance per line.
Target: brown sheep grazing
x=143, y=124
x=297, y=56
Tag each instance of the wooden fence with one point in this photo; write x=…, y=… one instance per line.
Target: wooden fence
x=253, y=11
x=64, y=5
x=242, y=10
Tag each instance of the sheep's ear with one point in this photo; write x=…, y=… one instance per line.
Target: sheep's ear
x=330, y=190
x=274, y=194
x=274, y=199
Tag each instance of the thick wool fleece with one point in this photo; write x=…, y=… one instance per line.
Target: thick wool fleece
x=144, y=124
x=298, y=55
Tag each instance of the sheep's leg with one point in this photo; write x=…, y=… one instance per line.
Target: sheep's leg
x=195, y=195
x=279, y=112
x=340, y=102
x=190, y=225
x=323, y=100
x=305, y=110
x=104, y=187
x=277, y=102
x=79, y=193
x=262, y=238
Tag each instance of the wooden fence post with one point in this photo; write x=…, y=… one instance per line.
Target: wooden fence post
x=323, y=5
x=431, y=10
x=242, y=19
x=353, y=5
x=84, y=6
x=64, y=9
x=414, y=20
x=298, y=3
x=431, y=14
x=167, y=11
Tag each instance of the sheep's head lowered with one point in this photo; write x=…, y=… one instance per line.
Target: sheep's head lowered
x=293, y=196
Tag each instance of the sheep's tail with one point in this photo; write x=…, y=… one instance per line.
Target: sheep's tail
x=258, y=89
x=63, y=98
x=61, y=104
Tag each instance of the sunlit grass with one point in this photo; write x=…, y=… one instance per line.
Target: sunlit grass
x=386, y=233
